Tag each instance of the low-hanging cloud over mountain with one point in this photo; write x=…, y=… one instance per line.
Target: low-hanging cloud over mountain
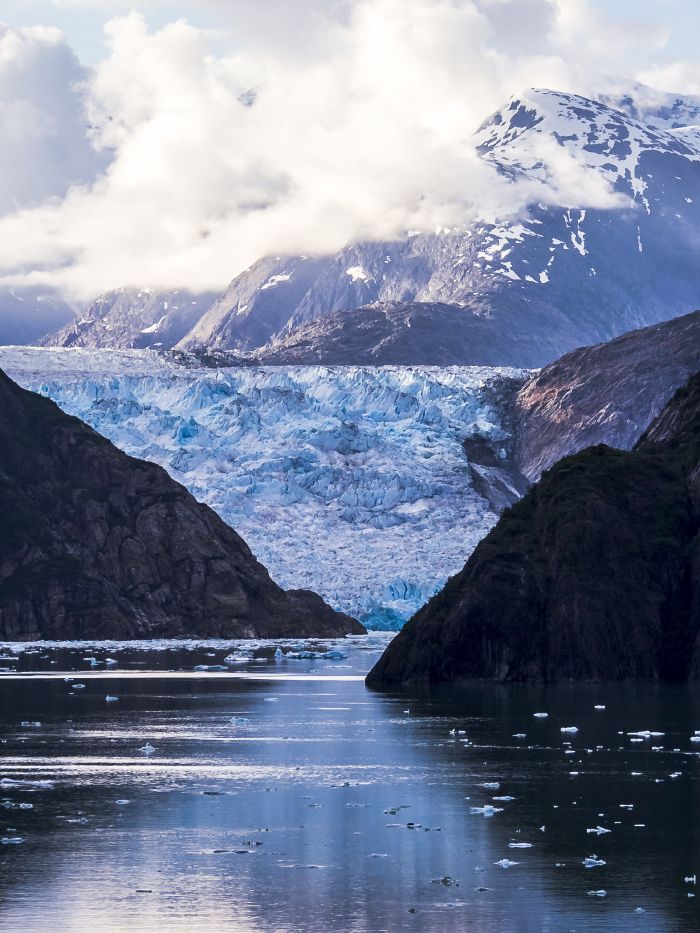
x=185, y=154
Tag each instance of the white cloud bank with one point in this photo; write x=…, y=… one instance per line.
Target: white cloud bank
x=153, y=170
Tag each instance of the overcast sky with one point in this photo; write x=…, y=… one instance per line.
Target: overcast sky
x=130, y=154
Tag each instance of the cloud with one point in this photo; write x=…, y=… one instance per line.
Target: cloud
x=43, y=143
x=177, y=180
x=673, y=75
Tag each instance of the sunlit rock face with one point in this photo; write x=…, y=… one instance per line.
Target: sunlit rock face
x=368, y=485
x=604, y=394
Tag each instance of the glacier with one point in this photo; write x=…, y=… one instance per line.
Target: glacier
x=351, y=481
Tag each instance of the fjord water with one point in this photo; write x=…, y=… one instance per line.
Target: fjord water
x=282, y=795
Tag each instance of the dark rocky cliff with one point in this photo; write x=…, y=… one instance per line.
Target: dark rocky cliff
x=604, y=394
x=593, y=575
x=97, y=544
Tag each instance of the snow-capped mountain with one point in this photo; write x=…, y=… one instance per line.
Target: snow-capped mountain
x=369, y=485
x=133, y=317
x=29, y=314
x=556, y=277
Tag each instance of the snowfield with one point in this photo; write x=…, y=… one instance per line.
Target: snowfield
x=351, y=481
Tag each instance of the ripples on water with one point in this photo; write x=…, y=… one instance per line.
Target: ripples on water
x=282, y=795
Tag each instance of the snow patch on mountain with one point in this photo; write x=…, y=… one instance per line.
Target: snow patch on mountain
x=350, y=481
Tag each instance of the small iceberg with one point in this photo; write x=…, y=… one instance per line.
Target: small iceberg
x=572, y=730
x=111, y=699
x=506, y=863
x=592, y=861
x=487, y=810
x=540, y=715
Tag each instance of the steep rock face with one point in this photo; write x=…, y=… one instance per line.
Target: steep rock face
x=592, y=575
x=605, y=394
x=132, y=317
x=530, y=287
x=27, y=315
x=256, y=305
x=96, y=544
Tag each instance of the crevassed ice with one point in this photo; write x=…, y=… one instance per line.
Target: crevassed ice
x=351, y=481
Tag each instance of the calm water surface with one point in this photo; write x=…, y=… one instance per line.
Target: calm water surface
x=282, y=795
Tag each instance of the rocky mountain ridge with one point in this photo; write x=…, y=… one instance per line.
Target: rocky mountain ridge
x=135, y=318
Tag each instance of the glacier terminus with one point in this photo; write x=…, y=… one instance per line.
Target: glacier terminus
x=361, y=483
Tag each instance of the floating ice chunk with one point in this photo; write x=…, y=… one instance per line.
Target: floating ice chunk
x=569, y=729
x=122, y=802
x=111, y=699
x=77, y=686
x=11, y=840
x=592, y=861
x=507, y=798
x=627, y=806
x=486, y=810
x=110, y=662
x=599, y=830
x=271, y=699
x=147, y=749
x=490, y=785
x=519, y=735
x=695, y=738
x=540, y=715
x=600, y=893
x=26, y=724
x=520, y=845
x=68, y=679
x=691, y=879
x=10, y=782
x=506, y=863
x=599, y=706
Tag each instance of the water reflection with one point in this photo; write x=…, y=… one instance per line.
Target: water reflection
x=288, y=801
